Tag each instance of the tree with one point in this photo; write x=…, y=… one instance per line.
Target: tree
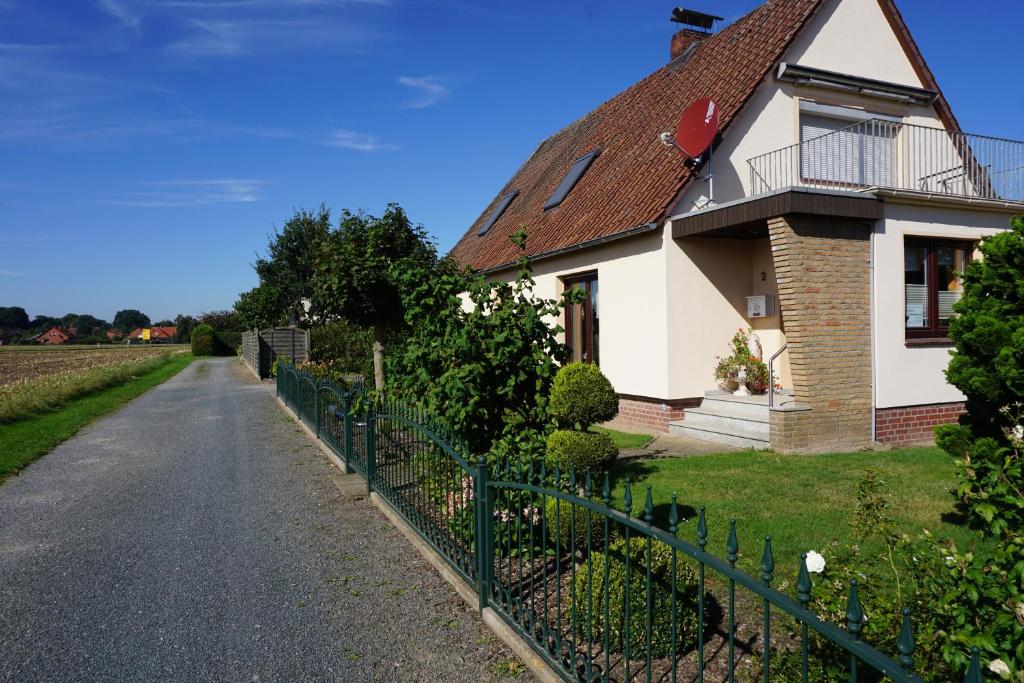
x=128, y=319
x=185, y=325
x=83, y=324
x=287, y=273
x=360, y=266
x=13, y=317
x=164, y=323
x=487, y=368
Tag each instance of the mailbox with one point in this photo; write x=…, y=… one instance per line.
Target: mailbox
x=761, y=306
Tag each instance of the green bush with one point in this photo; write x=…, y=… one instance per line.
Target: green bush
x=566, y=521
x=203, y=341
x=346, y=347
x=581, y=451
x=592, y=601
x=581, y=396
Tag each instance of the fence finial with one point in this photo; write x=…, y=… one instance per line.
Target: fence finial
x=767, y=561
x=606, y=491
x=649, y=507
x=974, y=670
x=905, y=645
x=627, y=500
x=732, y=544
x=702, y=528
x=673, y=516
x=803, y=583
x=854, y=612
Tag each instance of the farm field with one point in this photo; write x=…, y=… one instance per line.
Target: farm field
x=21, y=363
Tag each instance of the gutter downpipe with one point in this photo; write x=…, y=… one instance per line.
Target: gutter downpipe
x=874, y=345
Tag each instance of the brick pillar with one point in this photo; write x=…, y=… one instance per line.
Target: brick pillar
x=822, y=267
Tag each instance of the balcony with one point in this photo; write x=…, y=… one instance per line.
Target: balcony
x=889, y=156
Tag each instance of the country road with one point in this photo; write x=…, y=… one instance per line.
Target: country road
x=197, y=534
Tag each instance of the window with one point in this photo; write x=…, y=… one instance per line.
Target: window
x=579, y=167
x=931, y=274
x=582, y=320
x=498, y=210
x=846, y=146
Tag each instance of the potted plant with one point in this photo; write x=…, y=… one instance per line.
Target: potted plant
x=741, y=371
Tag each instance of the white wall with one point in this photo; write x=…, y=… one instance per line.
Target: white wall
x=907, y=375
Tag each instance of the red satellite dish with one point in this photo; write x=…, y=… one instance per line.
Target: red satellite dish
x=697, y=127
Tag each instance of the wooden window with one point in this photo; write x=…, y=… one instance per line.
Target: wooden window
x=931, y=276
x=582, y=320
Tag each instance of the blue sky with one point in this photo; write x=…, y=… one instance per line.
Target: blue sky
x=148, y=147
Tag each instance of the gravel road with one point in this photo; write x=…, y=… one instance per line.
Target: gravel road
x=197, y=534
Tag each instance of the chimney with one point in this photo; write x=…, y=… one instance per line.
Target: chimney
x=682, y=40
x=698, y=26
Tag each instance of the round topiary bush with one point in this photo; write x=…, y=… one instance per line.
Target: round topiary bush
x=581, y=396
x=592, y=601
x=581, y=451
x=204, y=341
x=566, y=523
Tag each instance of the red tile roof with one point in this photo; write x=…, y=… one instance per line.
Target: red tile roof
x=163, y=332
x=636, y=178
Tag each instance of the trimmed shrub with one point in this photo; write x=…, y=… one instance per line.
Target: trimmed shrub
x=591, y=600
x=203, y=341
x=581, y=451
x=581, y=396
x=566, y=521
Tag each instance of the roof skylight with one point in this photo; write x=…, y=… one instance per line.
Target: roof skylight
x=579, y=167
x=498, y=210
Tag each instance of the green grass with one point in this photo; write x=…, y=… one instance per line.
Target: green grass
x=24, y=441
x=803, y=501
x=625, y=439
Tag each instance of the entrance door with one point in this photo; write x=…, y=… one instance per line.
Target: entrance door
x=582, y=320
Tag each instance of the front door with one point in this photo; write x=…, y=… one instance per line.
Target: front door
x=582, y=320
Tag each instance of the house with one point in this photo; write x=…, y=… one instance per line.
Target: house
x=113, y=334
x=56, y=335
x=840, y=188
x=154, y=334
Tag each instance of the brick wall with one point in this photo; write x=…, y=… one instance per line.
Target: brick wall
x=914, y=424
x=654, y=413
x=821, y=264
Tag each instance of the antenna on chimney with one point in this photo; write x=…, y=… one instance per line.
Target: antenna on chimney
x=694, y=20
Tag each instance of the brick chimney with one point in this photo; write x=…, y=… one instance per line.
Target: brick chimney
x=683, y=39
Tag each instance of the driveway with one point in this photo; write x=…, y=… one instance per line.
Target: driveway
x=197, y=534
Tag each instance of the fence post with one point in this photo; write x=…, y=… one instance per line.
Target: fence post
x=347, y=403
x=316, y=405
x=484, y=536
x=371, y=448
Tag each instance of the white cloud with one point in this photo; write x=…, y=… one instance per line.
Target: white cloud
x=190, y=193
x=361, y=142
x=117, y=9
x=429, y=90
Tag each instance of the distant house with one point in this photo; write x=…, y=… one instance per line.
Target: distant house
x=113, y=334
x=161, y=335
x=56, y=335
x=845, y=201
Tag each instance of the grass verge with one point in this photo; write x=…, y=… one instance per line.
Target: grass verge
x=803, y=501
x=24, y=441
x=625, y=439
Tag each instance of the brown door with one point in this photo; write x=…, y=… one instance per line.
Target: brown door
x=582, y=320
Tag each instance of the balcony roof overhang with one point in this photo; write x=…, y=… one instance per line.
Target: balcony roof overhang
x=806, y=75
x=747, y=218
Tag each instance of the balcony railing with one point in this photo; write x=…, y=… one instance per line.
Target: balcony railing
x=891, y=155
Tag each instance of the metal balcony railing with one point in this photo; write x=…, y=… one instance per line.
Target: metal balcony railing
x=891, y=155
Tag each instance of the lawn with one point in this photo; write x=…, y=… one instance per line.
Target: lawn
x=803, y=501
x=23, y=441
x=625, y=439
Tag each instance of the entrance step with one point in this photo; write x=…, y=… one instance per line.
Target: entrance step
x=741, y=421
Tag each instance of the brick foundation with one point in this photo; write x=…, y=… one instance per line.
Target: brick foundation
x=654, y=413
x=907, y=425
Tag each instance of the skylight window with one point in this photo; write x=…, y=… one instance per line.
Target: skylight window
x=498, y=210
x=571, y=178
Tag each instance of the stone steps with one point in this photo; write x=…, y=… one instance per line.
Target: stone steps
x=740, y=421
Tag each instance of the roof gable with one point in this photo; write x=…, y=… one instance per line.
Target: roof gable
x=635, y=178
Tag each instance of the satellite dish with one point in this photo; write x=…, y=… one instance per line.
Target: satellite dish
x=697, y=127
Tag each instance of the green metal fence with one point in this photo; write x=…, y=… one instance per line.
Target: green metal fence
x=596, y=586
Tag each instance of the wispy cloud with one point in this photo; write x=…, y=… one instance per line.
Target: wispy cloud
x=119, y=11
x=190, y=193
x=361, y=142
x=11, y=273
x=429, y=91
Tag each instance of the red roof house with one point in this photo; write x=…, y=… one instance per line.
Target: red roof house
x=56, y=335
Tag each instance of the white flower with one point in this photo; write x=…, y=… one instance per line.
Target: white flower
x=998, y=666
x=1018, y=432
x=815, y=562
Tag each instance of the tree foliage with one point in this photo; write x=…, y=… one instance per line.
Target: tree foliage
x=486, y=367
x=13, y=317
x=130, y=318
x=185, y=325
x=287, y=273
x=360, y=269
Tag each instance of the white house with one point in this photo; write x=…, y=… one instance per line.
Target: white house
x=843, y=190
